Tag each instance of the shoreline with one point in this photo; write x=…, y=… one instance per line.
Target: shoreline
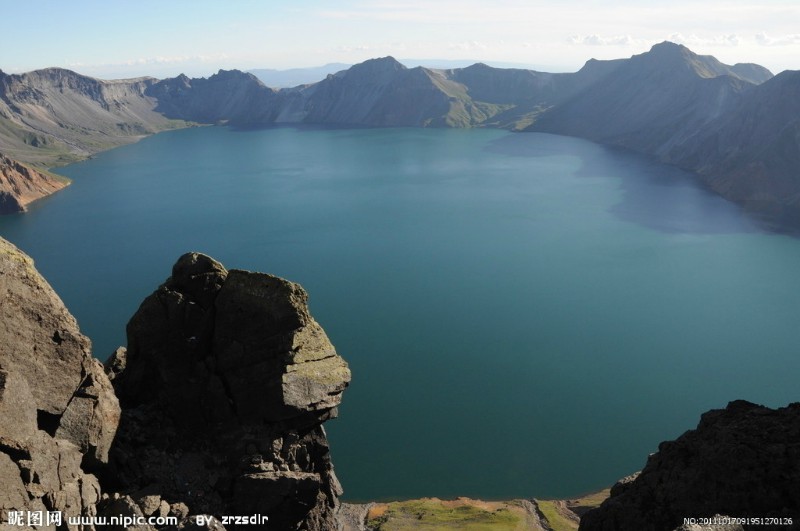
x=469, y=513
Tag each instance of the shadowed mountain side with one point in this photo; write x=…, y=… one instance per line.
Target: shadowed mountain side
x=379, y=92
x=230, y=96
x=652, y=102
x=750, y=154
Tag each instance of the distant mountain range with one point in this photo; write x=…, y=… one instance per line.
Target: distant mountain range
x=296, y=76
x=736, y=127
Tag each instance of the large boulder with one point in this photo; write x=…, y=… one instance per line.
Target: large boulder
x=225, y=384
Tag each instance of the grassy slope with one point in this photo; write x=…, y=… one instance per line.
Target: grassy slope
x=477, y=515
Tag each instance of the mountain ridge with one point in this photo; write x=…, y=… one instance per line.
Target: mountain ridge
x=679, y=107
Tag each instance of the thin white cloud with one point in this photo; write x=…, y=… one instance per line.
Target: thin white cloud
x=597, y=40
x=157, y=60
x=784, y=40
x=714, y=40
x=468, y=46
x=355, y=48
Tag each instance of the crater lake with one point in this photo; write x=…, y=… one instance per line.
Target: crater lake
x=524, y=314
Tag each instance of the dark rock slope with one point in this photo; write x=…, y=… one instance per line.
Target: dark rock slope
x=751, y=154
x=742, y=461
x=20, y=185
x=224, y=387
x=226, y=97
x=225, y=384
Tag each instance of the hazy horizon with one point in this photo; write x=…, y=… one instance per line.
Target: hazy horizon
x=126, y=39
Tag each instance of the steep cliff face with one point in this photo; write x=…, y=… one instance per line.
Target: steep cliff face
x=55, y=116
x=21, y=185
x=225, y=384
x=742, y=461
x=58, y=412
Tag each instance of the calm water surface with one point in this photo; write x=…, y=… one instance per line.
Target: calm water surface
x=524, y=314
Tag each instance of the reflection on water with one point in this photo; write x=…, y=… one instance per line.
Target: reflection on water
x=655, y=196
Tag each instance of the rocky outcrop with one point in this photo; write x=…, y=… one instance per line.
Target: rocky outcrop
x=224, y=386
x=742, y=461
x=21, y=185
x=58, y=414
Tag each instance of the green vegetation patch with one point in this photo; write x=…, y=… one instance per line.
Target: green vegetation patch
x=429, y=514
x=555, y=519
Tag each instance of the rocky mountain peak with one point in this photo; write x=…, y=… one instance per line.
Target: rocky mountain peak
x=376, y=68
x=234, y=75
x=665, y=48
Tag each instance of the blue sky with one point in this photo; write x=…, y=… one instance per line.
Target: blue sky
x=126, y=38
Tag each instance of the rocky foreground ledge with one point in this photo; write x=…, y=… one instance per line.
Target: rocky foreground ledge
x=216, y=408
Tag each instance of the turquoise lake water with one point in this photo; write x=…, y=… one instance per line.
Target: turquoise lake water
x=524, y=314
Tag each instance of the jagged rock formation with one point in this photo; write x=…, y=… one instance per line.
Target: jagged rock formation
x=58, y=413
x=224, y=386
x=742, y=461
x=21, y=185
